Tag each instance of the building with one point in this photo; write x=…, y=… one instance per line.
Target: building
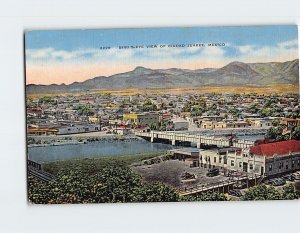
x=213, y=124
x=280, y=157
x=165, y=117
x=260, y=123
x=268, y=159
x=94, y=119
x=190, y=156
x=42, y=131
x=237, y=124
x=222, y=124
x=141, y=119
x=180, y=124
x=289, y=122
x=87, y=100
x=34, y=112
x=122, y=130
x=78, y=129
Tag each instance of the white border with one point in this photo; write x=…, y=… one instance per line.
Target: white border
x=17, y=216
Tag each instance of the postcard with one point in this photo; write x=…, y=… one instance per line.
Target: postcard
x=162, y=114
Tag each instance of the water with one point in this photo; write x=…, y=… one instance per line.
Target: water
x=253, y=137
x=104, y=148
x=96, y=149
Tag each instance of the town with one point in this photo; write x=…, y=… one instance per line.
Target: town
x=192, y=112
x=233, y=139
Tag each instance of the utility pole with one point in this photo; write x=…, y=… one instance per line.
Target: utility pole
x=99, y=121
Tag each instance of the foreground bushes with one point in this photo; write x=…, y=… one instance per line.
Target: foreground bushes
x=263, y=192
x=114, y=183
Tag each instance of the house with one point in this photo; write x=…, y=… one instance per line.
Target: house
x=34, y=112
x=143, y=129
x=94, y=119
x=165, y=117
x=213, y=124
x=237, y=124
x=260, y=123
x=122, y=130
x=41, y=131
x=280, y=157
x=180, y=124
x=267, y=159
x=190, y=156
x=87, y=100
x=73, y=129
x=141, y=119
x=289, y=122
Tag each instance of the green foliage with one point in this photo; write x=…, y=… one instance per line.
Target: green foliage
x=276, y=133
x=263, y=192
x=149, y=107
x=290, y=193
x=94, y=165
x=296, y=133
x=154, y=192
x=48, y=100
x=276, y=122
x=270, y=112
x=208, y=196
x=92, y=181
x=196, y=111
x=84, y=110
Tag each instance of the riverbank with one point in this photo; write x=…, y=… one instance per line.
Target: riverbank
x=59, y=140
x=91, y=149
x=91, y=165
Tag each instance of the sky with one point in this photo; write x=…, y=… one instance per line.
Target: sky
x=67, y=56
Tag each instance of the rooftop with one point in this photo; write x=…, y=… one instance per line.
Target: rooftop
x=276, y=148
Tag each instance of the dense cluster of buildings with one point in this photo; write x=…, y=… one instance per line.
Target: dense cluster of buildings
x=73, y=114
x=268, y=159
x=67, y=114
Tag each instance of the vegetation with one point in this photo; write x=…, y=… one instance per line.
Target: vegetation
x=113, y=183
x=208, y=196
x=84, y=110
x=104, y=180
x=263, y=192
x=110, y=180
x=149, y=106
x=277, y=133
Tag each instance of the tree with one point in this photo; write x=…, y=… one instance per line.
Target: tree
x=295, y=133
x=207, y=196
x=290, y=193
x=276, y=133
x=262, y=192
x=113, y=183
x=154, y=192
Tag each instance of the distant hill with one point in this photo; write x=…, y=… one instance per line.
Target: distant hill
x=233, y=74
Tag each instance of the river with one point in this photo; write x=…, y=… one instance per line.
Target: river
x=94, y=149
x=103, y=148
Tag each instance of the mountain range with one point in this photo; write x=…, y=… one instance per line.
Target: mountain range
x=232, y=74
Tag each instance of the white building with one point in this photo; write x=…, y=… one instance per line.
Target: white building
x=266, y=159
x=180, y=124
x=78, y=129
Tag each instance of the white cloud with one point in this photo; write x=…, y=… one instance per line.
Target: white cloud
x=245, y=48
x=248, y=53
x=288, y=44
x=39, y=53
x=279, y=52
x=213, y=51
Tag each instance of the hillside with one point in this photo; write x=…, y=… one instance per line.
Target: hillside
x=233, y=74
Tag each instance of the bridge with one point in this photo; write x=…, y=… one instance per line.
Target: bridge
x=35, y=169
x=223, y=186
x=176, y=138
